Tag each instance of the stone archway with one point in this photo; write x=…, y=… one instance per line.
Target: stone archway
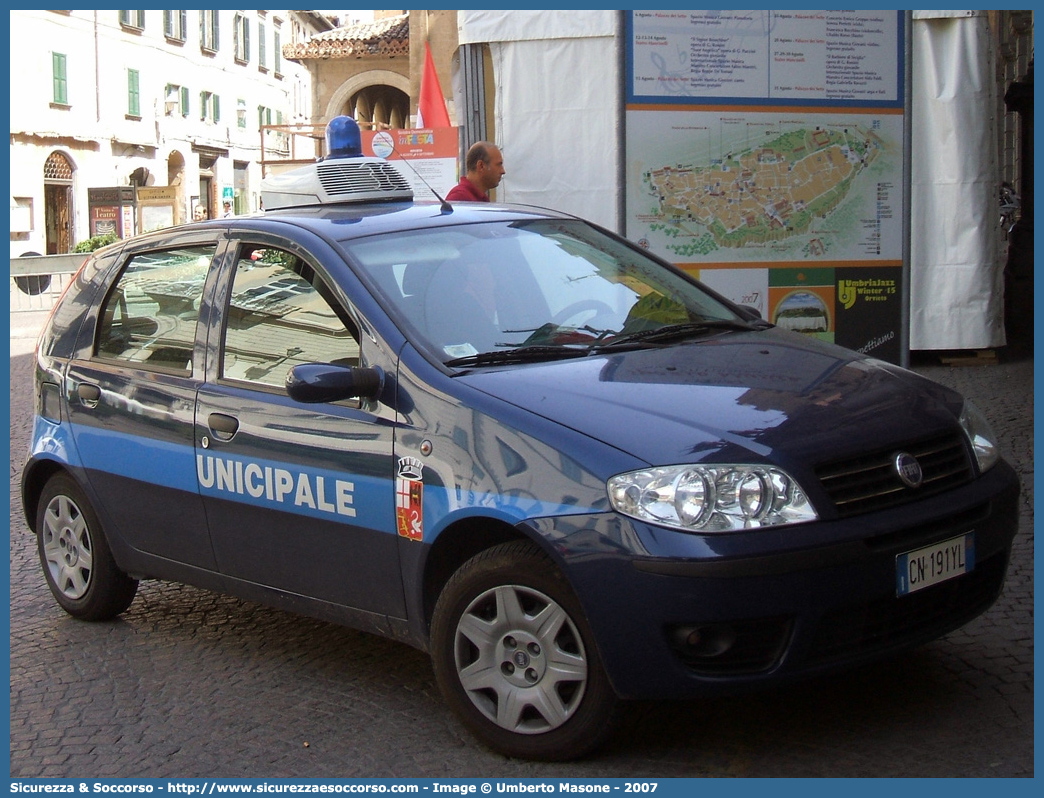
x=375, y=92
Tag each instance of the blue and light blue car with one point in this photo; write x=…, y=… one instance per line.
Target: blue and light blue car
x=509, y=438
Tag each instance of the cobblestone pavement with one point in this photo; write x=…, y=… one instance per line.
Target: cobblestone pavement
x=191, y=684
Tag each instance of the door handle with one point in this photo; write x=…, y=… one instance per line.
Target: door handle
x=223, y=427
x=89, y=394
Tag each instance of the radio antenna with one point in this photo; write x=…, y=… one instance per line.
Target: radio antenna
x=444, y=206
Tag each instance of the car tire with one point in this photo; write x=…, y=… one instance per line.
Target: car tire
x=515, y=658
x=75, y=556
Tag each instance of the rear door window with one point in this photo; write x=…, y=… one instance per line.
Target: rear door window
x=149, y=318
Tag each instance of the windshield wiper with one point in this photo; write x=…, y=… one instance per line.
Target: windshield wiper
x=521, y=354
x=674, y=332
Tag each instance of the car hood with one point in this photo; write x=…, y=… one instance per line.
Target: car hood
x=769, y=396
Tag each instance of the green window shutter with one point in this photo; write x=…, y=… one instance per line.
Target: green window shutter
x=246, y=39
x=277, y=56
x=135, y=19
x=262, y=58
x=184, y=101
x=168, y=24
x=217, y=108
x=61, y=81
x=208, y=30
x=133, y=92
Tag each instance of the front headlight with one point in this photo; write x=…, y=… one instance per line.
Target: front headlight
x=718, y=498
x=980, y=435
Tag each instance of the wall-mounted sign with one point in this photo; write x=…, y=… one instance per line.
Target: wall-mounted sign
x=156, y=207
x=110, y=208
x=765, y=153
x=430, y=153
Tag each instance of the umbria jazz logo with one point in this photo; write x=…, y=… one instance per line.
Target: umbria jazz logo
x=870, y=290
x=409, y=498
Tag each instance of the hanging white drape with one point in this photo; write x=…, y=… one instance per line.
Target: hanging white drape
x=557, y=106
x=956, y=259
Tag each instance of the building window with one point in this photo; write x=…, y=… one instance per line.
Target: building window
x=277, y=56
x=209, y=106
x=60, y=78
x=133, y=19
x=175, y=23
x=208, y=31
x=264, y=116
x=262, y=57
x=241, y=38
x=133, y=93
x=176, y=100
x=241, y=113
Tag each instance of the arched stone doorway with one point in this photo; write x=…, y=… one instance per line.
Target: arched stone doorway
x=58, y=204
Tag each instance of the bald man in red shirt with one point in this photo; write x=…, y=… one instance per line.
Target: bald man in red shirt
x=485, y=168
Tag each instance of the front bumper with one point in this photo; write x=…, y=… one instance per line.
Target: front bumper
x=776, y=604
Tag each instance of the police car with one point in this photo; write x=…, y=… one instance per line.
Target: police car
x=507, y=437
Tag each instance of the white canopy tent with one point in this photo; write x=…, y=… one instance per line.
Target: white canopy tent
x=557, y=110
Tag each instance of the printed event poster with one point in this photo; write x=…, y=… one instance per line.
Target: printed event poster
x=430, y=156
x=765, y=154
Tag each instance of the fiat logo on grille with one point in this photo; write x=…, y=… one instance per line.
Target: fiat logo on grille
x=908, y=470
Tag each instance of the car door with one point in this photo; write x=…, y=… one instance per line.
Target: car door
x=299, y=497
x=132, y=395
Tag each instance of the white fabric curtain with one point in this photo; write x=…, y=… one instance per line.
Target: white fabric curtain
x=557, y=106
x=956, y=258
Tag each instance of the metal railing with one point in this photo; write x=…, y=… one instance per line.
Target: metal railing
x=38, y=280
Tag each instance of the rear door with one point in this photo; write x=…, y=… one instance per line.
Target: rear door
x=132, y=396
x=299, y=497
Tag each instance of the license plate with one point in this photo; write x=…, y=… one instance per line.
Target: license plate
x=916, y=570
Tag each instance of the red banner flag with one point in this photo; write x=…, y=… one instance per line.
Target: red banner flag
x=431, y=109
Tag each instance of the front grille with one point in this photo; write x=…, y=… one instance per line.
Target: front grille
x=341, y=178
x=864, y=629
x=869, y=482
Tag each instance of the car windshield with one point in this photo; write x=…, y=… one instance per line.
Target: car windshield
x=536, y=289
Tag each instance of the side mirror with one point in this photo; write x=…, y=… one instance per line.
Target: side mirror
x=749, y=313
x=328, y=382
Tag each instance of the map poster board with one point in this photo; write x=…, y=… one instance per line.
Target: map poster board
x=430, y=153
x=766, y=154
